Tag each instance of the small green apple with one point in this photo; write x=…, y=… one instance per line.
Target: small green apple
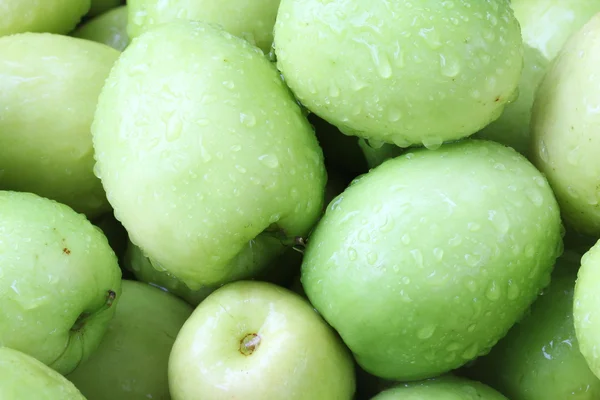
x=59, y=281
x=547, y=24
x=250, y=20
x=109, y=28
x=131, y=362
x=401, y=72
x=256, y=340
x=438, y=253
x=564, y=128
x=54, y=16
x=23, y=377
x=540, y=357
x=102, y=6
x=586, y=305
x=442, y=388
x=49, y=87
x=206, y=157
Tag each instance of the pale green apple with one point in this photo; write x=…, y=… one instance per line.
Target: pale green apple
x=256, y=341
x=250, y=20
x=425, y=262
x=131, y=362
x=206, y=157
x=109, y=28
x=564, y=128
x=540, y=357
x=401, y=72
x=586, y=306
x=59, y=281
x=512, y=128
x=547, y=24
x=102, y=6
x=443, y=388
x=54, y=16
x=49, y=87
x=23, y=377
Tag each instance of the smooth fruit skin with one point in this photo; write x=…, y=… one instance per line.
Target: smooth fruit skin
x=443, y=388
x=402, y=72
x=586, y=306
x=109, y=28
x=513, y=126
x=60, y=281
x=250, y=20
x=131, y=362
x=54, y=16
x=49, y=87
x=103, y=6
x=24, y=377
x=298, y=355
x=437, y=252
x=547, y=24
x=565, y=125
x=198, y=124
x=540, y=357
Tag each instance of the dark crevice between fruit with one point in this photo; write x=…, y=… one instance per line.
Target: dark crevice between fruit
x=249, y=344
x=298, y=243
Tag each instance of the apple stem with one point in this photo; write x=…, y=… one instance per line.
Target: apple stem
x=249, y=344
x=84, y=316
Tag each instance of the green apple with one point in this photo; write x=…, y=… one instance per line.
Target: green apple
x=443, y=388
x=54, y=16
x=49, y=87
x=109, y=28
x=256, y=340
x=59, y=281
x=564, y=122
x=23, y=377
x=547, y=24
x=131, y=362
x=512, y=128
x=198, y=124
x=586, y=305
x=102, y=6
x=438, y=253
x=401, y=72
x=540, y=357
x=250, y=20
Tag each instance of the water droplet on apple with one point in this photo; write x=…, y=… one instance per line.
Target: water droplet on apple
x=229, y=84
x=371, y=258
x=405, y=279
x=364, y=236
x=472, y=285
x=248, y=119
x=432, y=142
x=438, y=254
x=493, y=292
x=334, y=91
x=450, y=66
x=270, y=160
x=387, y=225
x=473, y=226
x=455, y=241
x=418, y=257
x=394, y=114
x=405, y=239
x=470, y=352
x=352, y=255
x=426, y=332
x=431, y=37
x=513, y=290
x=471, y=328
x=174, y=127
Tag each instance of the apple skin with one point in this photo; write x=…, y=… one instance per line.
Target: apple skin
x=438, y=252
x=586, y=305
x=217, y=144
x=46, y=143
x=131, y=362
x=249, y=20
x=298, y=357
x=540, y=357
x=24, y=377
x=407, y=73
x=103, y=6
x=115, y=234
x=54, y=16
x=565, y=140
x=56, y=268
x=109, y=28
x=443, y=388
x=547, y=24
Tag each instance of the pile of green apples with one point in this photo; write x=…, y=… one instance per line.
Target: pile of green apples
x=300, y=199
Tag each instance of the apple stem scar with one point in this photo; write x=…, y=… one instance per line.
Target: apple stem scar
x=249, y=344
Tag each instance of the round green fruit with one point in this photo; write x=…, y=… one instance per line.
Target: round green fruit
x=54, y=16
x=540, y=357
x=198, y=124
x=250, y=20
x=131, y=362
x=401, y=72
x=437, y=252
x=49, y=87
x=24, y=377
x=443, y=388
x=109, y=28
x=60, y=281
x=564, y=129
